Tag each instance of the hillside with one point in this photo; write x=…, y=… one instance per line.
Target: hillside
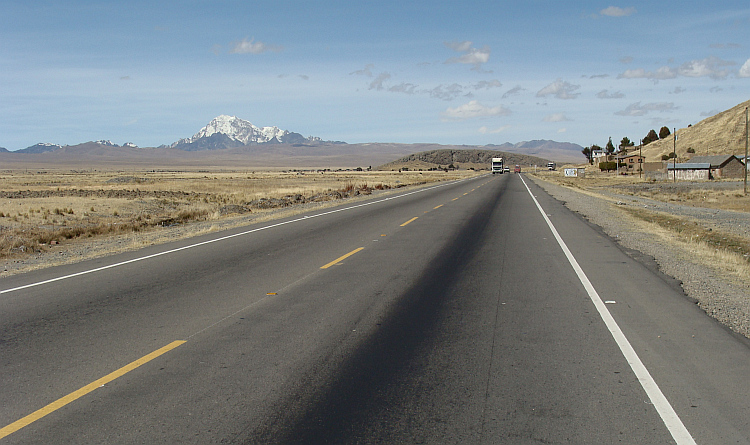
x=723, y=133
x=462, y=158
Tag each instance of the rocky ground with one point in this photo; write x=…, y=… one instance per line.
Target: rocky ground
x=722, y=295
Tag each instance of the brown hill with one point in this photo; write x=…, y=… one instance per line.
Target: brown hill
x=462, y=158
x=723, y=133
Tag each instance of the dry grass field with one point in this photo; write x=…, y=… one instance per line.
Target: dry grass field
x=726, y=195
x=48, y=210
x=719, y=249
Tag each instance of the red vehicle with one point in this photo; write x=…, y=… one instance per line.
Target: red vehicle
x=517, y=169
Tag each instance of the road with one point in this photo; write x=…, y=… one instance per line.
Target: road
x=475, y=312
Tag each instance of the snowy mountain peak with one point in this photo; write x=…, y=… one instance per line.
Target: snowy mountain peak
x=230, y=131
x=238, y=130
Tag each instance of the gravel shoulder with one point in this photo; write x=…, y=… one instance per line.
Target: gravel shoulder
x=720, y=294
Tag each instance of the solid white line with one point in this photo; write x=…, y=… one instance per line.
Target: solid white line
x=166, y=252
x=668, y=415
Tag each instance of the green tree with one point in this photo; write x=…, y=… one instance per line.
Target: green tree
x=610, y=147
x=625, y=143
x=650, y=137
x=587, y=152
x=664, y=132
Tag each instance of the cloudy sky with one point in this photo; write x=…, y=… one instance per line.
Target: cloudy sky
x=468, y=72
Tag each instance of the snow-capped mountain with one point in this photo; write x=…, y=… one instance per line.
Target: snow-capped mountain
x=230, y=131
x=41, y=147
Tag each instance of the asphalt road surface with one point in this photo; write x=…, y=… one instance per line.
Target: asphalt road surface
x=472, y=312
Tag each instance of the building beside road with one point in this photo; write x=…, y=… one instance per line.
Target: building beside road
x=698, y=168
x=722, y=166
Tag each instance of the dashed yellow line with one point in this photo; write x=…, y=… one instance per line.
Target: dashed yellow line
x=341, y=258
x=75, y=395
x=435, y=208
x=410, y=221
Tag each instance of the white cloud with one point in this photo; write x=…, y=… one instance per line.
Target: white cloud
x=636, y=109
x=487, y=84
x=513, y=91
x=605, y=94
x=252, y=47
x=708, y=67
x=485, y=130
x=366, y=71
x=556, y=117
x=712, y=67
x=662, y=73
x=473, y=109
x=614, y=11
x=377, y=84
x=560, y=89
x=404, y=87
x=460, y=47
x=446, y=92
x=471, y=56
x=745, y=70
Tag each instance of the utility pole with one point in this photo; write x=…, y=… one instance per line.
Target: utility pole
x=674, y=156
x=640, y=159
x=746, y=151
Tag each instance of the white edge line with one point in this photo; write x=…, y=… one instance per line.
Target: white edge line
x=668, y=415
x=166, y=252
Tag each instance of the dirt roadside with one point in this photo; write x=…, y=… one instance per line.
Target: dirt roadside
x=715, y=277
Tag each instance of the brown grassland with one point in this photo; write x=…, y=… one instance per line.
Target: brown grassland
x=44, y=212
x=728, y=252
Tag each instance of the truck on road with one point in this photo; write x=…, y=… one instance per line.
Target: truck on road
x=497, y=165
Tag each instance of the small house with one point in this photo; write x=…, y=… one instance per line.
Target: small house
x=598, y=156
x=629, y=162
x=689, y=171
x=722, y=166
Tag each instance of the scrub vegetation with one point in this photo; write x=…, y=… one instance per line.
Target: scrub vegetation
x=44, y=210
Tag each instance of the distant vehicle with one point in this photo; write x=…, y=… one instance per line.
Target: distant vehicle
x=551, y=166
x=506, y=169
x=497, y=165
x=517, y=169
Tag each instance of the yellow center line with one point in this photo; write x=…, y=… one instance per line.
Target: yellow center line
x=410, y=221
x=435, y=208
x=342, y=258
x=454, y=199
x=75, y=395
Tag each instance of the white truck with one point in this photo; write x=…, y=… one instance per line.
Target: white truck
x=497, y=165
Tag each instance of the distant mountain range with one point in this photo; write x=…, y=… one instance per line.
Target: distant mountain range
x=47, y=147
x=230, y=132
x=222, y=132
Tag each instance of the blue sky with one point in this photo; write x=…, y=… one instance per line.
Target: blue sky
x=468, y=72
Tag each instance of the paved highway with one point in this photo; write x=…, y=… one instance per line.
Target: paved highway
x=478, y=311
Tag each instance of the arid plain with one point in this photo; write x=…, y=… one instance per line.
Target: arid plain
x=46, y=212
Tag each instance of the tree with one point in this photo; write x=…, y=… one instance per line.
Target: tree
x=664, y=132
x=587, y=152
x=610, y=147
x=650, y=137
x=625, y=143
